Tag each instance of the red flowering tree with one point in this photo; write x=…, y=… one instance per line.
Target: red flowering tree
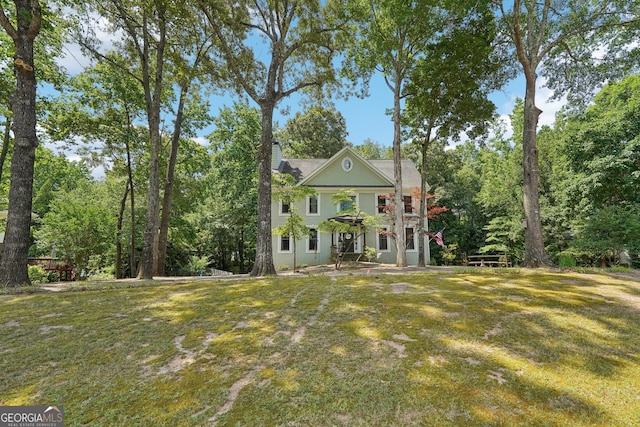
x=412, y=215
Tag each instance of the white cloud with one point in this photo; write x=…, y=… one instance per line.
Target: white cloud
x=506, y=101
x=549, y=107
x=74, y=60
x=98, y=173
x=201, y=140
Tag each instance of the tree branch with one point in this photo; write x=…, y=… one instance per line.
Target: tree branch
x=517, y=39
x=108, y=59
x=36, y=20
x=543, y=23
x=6, y=24
x=297, y=88
x=230, y=58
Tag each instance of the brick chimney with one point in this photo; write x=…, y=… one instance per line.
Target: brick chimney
x=276, y=155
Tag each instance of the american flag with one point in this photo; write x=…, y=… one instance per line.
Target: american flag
x=438, y=238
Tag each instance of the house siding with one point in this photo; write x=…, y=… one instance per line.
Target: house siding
x=367, y=201
x=367, y=181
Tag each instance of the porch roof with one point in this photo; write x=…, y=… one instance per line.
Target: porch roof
x=347, y=219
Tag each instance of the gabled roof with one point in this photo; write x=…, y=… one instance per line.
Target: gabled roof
x=380, y=173
x=375, y=176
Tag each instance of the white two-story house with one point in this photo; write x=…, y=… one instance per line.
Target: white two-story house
x=373, y=183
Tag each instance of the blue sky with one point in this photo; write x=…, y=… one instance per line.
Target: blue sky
x=366, y=117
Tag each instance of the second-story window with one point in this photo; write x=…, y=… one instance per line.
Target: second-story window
x=408, y=205
x=382, y=203
x=312, y=205
x=346, y=205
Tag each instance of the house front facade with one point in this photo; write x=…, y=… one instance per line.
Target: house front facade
x=372, y=183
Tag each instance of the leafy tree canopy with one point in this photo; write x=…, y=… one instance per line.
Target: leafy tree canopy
x=603, y=147
x=316, y=133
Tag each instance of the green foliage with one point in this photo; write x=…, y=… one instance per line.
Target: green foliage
x=286, y=189
x=101, y=103
x=570, y=66
x=500, y=159
x=450, y=83
x=566, y=260
x=197, y=264
x=603, y=147
x=449, y=253
x=225, y=221
x=315, y=133
x=102, y=274
x=455, y=177
x=80, y=225
x=37, y=275
x=55, y=175
x=504, y=235
x=592, y=194
x=370, y=149
x=190, y=191
x=610, y=230
x=370, y=253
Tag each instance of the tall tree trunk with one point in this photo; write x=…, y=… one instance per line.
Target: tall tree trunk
x=423, y=203
x=6, y=141
x=535, y=254
x=241, y=254
x=15, y=251
x=123, y=205
x=263, y=265
x=398, y=210
x=153, y=202
x=132, y=255
x=161, y=254
x=152, y=101
x=294, y=253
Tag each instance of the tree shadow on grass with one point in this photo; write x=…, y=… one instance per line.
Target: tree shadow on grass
x=536, y=347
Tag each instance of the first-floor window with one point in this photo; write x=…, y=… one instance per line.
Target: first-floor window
x=383, y=240
x=285, y=244
x=409, y=234
x=313, y=240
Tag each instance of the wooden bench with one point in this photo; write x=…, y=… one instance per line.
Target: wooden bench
x=488, y=260
x=64, y=267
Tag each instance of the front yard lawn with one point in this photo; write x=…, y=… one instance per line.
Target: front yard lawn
x=512, y=348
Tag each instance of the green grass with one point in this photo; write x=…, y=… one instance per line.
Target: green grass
x=472, y=348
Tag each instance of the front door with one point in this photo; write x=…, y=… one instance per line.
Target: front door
x=347, y=244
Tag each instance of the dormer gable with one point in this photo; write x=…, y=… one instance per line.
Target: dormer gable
x=347, y=168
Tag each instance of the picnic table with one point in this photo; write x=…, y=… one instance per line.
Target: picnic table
x=64, y=267
x=489, y=260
